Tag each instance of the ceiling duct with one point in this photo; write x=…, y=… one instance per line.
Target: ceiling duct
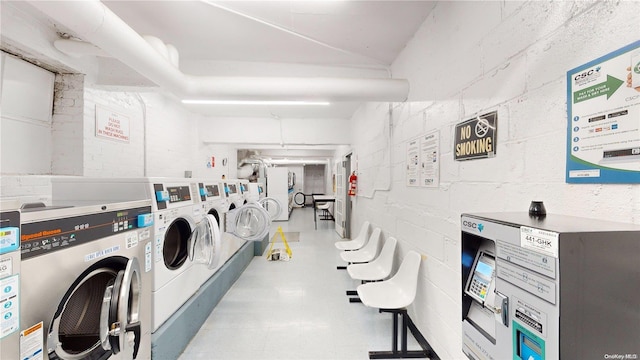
x=92, y=21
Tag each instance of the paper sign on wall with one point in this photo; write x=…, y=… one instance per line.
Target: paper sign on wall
x=423, y=160
x=112, y=125
x=430, y=159
x=603, y=116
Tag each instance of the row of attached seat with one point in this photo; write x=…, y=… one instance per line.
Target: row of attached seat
x=372, y=266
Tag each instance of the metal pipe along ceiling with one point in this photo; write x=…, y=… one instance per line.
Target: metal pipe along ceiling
x=94, y=22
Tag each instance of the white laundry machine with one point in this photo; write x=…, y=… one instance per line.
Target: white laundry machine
x=232, y=189
x=10, y=277
x=215, y=206
x=176, y=211
x=86, y=282
x=254, y=191
x=262, y=190
x=245, y=190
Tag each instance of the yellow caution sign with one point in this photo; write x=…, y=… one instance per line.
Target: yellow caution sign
x=271, y=254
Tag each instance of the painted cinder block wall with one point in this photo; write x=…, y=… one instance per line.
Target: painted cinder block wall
x=469, y=58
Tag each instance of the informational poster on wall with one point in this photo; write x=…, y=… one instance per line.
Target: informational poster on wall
x=111, y=124
x=413, y=159
x=603, y=108
x=423, y=160
x=430, y=159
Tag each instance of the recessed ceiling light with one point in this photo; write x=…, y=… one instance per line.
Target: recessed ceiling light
x=253, y=102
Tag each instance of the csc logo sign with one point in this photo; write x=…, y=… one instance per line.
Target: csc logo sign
x=473, y=225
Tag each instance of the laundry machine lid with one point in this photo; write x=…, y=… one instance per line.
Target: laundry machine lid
x=205, y=243
x=272, y=206
x=249, y=222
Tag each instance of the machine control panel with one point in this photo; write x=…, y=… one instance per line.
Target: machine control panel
x=179, y=193
x=46, y=236
x=212, y=190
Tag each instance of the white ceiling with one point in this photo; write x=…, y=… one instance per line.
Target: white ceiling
x=293, y=39
x=354, y=39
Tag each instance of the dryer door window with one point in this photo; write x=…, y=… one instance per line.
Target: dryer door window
x=176, y=240
x=272, y=206
x=80, y=328
x=205, y=243
x=250, y=222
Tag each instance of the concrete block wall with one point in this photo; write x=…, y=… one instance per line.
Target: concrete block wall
x=107, y=157
x=469, y=58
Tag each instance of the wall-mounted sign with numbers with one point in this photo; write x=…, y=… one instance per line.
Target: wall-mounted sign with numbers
x=542, y=241
x=603, y=125
x=476, y=138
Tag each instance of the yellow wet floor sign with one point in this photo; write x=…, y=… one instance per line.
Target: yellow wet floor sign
x=284, y=241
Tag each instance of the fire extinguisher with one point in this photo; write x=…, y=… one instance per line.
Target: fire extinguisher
x=353, y=179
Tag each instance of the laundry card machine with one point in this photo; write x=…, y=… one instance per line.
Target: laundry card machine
x=550, y=287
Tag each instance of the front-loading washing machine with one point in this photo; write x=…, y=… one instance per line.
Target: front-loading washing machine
x=245, y=190
x=176, y=211
x=86, y=282
x=215, y=207
x=232, y=189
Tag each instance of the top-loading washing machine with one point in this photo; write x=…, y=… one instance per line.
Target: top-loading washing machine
x=10, y=277
x=177, y=211
x=86, y=282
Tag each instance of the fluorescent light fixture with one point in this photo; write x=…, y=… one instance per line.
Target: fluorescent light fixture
x=253, y=102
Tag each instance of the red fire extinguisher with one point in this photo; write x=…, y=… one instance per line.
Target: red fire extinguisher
x=353, y=179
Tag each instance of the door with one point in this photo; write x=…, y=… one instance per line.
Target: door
x=348, y=200
x=205, y=243
x=273, y=207
x=338, y=210
x=249, y=222
x=98, y=317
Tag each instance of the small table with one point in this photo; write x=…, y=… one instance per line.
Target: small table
x=321, y=199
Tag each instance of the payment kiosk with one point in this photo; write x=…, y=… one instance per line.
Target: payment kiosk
x=551, y=287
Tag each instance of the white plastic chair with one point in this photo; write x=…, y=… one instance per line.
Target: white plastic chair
x=367, y=253
x=393, y=296
x=359, y=240
x=378, y=269
x=324, y=211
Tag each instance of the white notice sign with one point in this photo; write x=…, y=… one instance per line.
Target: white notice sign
x=542, y=241
x=112, y=125
x=429, y=159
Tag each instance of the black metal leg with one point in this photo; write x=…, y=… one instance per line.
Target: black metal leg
x=394, y=348
x=352, y=293
x=403, y=353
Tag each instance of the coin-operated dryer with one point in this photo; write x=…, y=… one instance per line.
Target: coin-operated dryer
x=86, y=282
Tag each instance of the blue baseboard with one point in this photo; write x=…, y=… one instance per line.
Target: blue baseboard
x=260, y=246
x=170, y=340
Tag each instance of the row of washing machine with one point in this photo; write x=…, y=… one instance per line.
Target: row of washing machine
x=93, y=276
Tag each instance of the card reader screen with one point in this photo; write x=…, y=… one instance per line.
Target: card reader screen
x=484, y=269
